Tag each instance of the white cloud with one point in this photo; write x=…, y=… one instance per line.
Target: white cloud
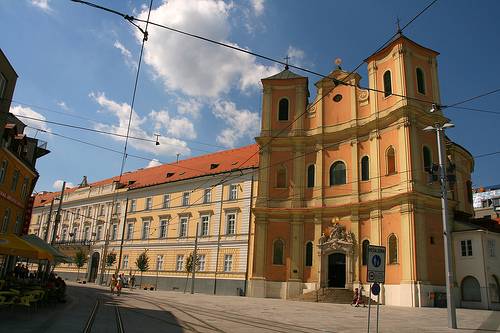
x=57, y=185
x=190, y=107
x=62, y=105
x=296, y=55
x=177, y=127
x=195, y=67
x=42, y=4
x=258, y=6
x=241, y=123
x=168, y=145
x=154, y=162
x=127, y=55
x=28, y=112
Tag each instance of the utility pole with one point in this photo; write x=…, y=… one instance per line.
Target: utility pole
x=123, y=235
x=194, y=258
x=46, y=233
x=58, y=215
x=439, y=129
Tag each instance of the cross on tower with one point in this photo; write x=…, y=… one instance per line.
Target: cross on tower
x=286, y=61
x=397, y=25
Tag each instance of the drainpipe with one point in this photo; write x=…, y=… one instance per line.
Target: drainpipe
x=248, y=235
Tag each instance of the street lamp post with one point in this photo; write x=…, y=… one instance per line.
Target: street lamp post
x=439, y=129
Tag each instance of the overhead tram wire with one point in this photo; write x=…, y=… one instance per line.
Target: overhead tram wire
x=116, y=134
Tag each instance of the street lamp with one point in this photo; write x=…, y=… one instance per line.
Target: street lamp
x=439, y=129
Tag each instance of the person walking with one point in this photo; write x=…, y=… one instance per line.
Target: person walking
x=119, y=284
x=132, y=282
x=113, y=283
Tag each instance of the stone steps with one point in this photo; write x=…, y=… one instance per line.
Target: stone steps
x=330, y=295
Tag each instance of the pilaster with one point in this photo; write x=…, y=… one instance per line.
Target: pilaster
x=260, y=247
x=406, y=243
x=316, y=269
x=297, y=235
x=355, y=163
x=266, y=111
x=298, y=176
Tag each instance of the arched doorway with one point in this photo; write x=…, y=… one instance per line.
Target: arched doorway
x=471, y=290
x=337, y=270
x=94, y=267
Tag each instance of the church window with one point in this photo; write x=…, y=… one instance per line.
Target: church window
x=420, y=81
x=281, y=177
x=310, y=176
x=427, y=158
x=365, y=168
x=393, y=249
x=387, y=84
x=283, y=110
x=309, y=254
x=278, y=252
x=364, y=251
x=391, y=161
x=337, y=173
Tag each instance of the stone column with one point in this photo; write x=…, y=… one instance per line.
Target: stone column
x=318, y=229
x=257, y=283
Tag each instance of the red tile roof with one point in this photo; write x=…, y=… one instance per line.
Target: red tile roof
x=224, y=161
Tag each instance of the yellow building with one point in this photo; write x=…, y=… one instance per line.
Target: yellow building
x=18, y=176
x=350, y=169
x=157, y=210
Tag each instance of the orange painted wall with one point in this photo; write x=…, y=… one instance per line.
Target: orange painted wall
x=364, y=233
x=435, y=267
x=277, y=159
x=337, y=112
x=343, y=153
x=277, y=230
x=364, y=150
x=387, y=139
x=382, y=101
x=309, y=275
x=391, y=224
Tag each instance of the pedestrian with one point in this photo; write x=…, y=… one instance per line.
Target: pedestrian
x=119, y=284
x=112, y=285
x=132, y=282
x=355, y=298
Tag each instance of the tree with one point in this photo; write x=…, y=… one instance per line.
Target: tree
x=80, y=260
x=142, y=263
x=110, y=260
x=190, y=263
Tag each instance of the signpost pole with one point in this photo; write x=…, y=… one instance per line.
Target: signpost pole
x=378, y=306
x=369, y=305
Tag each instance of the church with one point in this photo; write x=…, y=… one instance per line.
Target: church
x=348, y=169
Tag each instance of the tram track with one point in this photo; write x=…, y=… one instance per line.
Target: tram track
x=90, y=323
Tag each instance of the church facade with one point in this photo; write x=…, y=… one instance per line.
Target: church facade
x=348, y=170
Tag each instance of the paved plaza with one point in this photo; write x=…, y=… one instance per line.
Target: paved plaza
x=161, y=311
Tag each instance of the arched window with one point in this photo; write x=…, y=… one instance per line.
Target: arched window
x=387, y=84
x=278, y=251
x=420, y=81
x=427, y=158
x=281, y=177
x=309, y=254
x=391, y=161
x=337, y=173
x=364, y=251
x=365, y=168
x=393, y=249
x=283, y=109
x=310, y=175
x=471, y=291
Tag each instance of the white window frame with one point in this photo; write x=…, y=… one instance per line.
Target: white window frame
x=185, y=199
x=207, y=196
x=466, y=248
x=133, y=206
x=98, y=232
x=183, y=226
x=114, y=231
x=163, y=227
x=228, y=263
x=201, y=262
x=86, y=233
x=205, y=225
x=130, y=231
x=179, y=263
x=148, y=204
x=125, y=261
x=166, y=201
x=159, y=262
x=146, y=226
x=233, y=192
x=230, y=232
x=491, y=248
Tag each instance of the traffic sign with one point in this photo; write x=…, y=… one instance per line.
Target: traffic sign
x=376, y=264
x=375, y=289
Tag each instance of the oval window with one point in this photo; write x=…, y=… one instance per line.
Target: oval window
x=337, y=98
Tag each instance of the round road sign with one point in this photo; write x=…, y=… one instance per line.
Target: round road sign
x=375, y=289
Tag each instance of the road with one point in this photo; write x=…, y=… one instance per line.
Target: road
x=91, y=308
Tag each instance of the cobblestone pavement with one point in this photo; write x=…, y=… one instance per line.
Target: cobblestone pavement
x=163, y=311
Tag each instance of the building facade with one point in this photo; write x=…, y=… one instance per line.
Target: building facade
x=18, y=175
x=487, y=202
x=349, y=170
x=158, y=210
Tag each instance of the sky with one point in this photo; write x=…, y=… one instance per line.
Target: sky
x=77, y=65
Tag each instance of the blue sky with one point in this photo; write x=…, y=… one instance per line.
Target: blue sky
x=77, y=65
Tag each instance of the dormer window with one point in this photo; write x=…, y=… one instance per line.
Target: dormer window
x=213, y=166
x=283, y=110
x=170, y=174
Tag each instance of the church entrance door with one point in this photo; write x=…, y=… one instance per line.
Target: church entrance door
x=336, y=270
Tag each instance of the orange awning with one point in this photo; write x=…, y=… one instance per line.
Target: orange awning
x=14, y=246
